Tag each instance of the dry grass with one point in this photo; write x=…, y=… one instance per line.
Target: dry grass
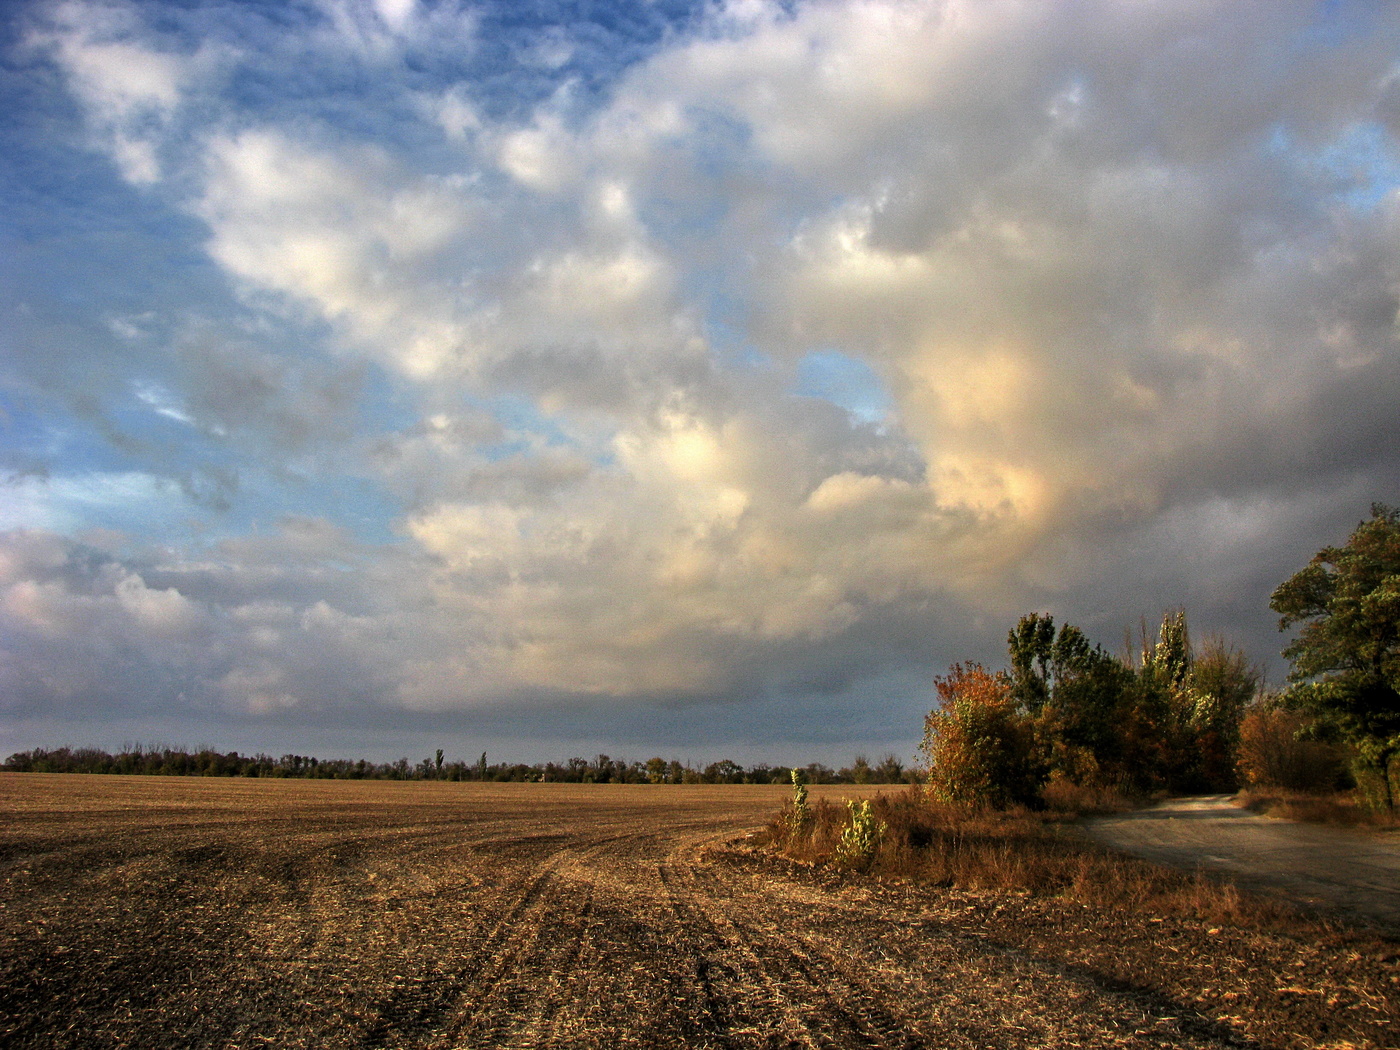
x=1340, y=809
x=1022, y=852
x=1064, y=798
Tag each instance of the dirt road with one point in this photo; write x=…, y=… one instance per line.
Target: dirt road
x=1356, y=872
x=180, y=912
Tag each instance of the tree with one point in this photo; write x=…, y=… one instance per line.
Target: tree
x=1224, y=683
x=725, y=771
x=1170, y=724
x=1031, y=644
x=979, y=742
x=1074, y=692
x=890, y=770
x=1346, y=656
x=1276, y=752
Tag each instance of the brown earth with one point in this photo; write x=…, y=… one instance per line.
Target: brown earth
x=183, y=912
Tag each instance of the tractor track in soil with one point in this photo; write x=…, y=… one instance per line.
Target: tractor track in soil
x=169, y=912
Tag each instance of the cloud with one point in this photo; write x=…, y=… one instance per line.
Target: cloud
x=345, y=235
x=105, y=634
x=801, y=351
x=72, y=502
x=383, y=30
x=129, y=89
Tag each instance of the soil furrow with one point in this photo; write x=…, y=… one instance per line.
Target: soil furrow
x=839, y=1006
x=571, y=945
x=421, y=1004
x=518, y=1006
x=809, y=1015
x=165, y=913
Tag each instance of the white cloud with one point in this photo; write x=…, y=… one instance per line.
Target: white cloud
x=129, y=90
x=541, y=156
x=69, y=502
x=160, y=400
x=454, y=111
x=396, y=14
x=383, y=30
x=1110, y=300
x=348, y=236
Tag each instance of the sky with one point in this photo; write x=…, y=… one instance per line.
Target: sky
x=697, y=379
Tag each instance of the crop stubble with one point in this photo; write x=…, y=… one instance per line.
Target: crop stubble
x=182, y=912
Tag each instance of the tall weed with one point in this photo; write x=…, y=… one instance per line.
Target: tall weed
x=860, y=838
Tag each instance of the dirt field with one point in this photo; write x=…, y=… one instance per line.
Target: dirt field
x=184, y=912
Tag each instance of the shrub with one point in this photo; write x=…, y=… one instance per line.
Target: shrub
x=911, y=835
x=1062, y=795
x=979, y=742
x=1274, y=752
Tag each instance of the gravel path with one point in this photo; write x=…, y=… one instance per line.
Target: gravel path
x=1354, y=871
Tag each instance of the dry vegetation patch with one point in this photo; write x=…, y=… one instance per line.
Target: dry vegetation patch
x=1341, y=809
x=1015, y=851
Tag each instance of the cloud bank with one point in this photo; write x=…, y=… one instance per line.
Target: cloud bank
x=751, y=359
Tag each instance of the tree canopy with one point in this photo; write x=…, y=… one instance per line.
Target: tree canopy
x=1346, y=656
x=1071, y=713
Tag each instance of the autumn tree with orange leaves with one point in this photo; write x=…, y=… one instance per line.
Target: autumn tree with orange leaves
x=979, y=742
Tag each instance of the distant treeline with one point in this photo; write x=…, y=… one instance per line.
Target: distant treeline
x=164, y=761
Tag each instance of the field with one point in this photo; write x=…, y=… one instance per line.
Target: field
x=185, y=912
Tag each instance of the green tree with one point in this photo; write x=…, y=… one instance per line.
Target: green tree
x=1031, y=644
x=1346, y=656
x=1170, y=724
x=1224, y=683
x=890, y=770
x=1169, y=660
x=1081, y=727
x=1073, y=691
x=724, y=771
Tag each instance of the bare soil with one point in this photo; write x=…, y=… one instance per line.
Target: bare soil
x=155, y=912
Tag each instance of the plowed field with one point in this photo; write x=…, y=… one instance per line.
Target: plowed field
x=171, y=912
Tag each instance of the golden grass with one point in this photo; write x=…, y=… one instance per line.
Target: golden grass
x=1340, y=808
x=1017, y=851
